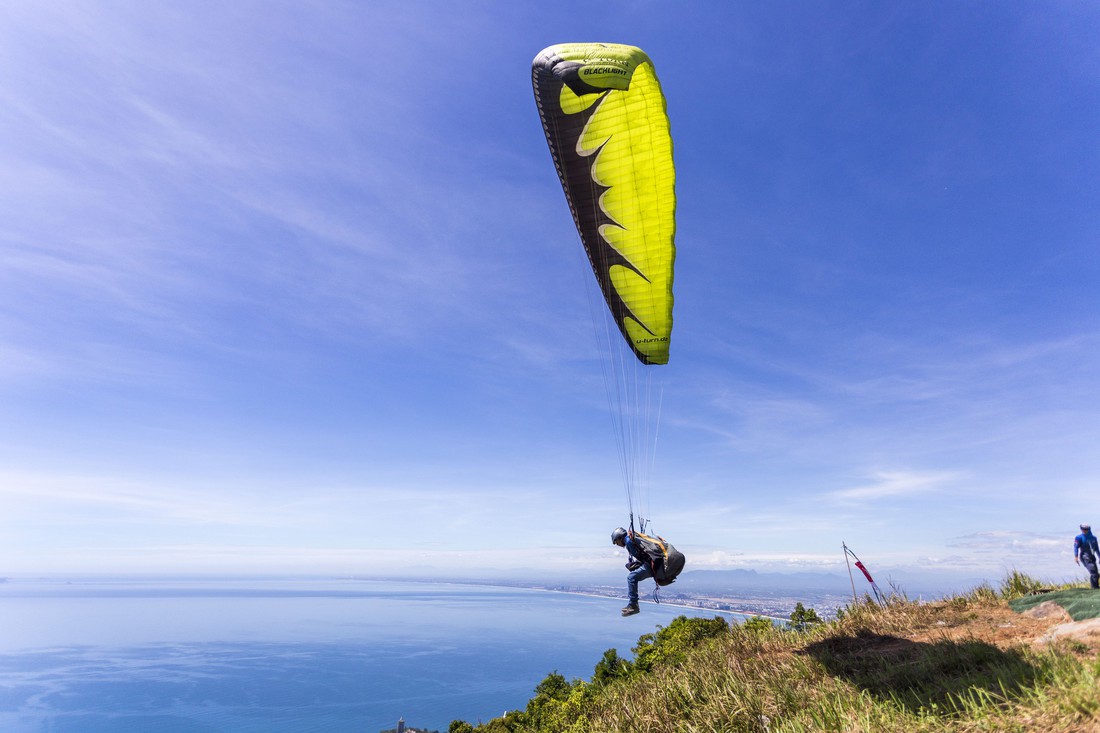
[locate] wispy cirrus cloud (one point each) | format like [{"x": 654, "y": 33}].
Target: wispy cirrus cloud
[
  {"x": 1007, "y": 540},
  {"x": 894, "y": 484}
]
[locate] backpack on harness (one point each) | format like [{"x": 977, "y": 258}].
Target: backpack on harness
[{"x": 665, "y": 561}]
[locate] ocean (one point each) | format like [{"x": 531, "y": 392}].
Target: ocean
[{"x": 290, "y": 656}]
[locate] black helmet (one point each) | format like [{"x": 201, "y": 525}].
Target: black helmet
[{"x": 618, "y": 535}]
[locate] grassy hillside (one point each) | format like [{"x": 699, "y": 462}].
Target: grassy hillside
[{"x": 969, "y": 663}]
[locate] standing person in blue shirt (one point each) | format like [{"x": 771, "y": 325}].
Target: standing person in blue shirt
[
  {"x": 638, "y": 565},
  {"x": 1085, "y": 551}
]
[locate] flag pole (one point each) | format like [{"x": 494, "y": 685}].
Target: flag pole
[{"x": 850, "y": 578}]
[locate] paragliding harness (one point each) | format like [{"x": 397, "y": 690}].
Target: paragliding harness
[{"x": 664, "y": 560}]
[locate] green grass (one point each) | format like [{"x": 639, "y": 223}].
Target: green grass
[
  {"x": 904, "y": 667},
  {"x": 1080, "y": 603}
]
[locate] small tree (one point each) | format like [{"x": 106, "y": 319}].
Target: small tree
[
  {"x": 802, "y": 618},
  {"x": 556, "y": 704},
  {"x": 757, "y": 624},
  {"x": 612, "y": 667},
  {"x": 554, "y": 687}
]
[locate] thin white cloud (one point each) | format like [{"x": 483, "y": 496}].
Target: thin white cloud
[
  {"x": 895, "y": 484},
  {"x": 776, "y": 561},
  {"x": 29, "y": 496},
  {"x": 293, "y": 508},
  {"x": 1003, "y": 541},
  {"x": 366, "y": 559},
  {"x": 364, "y": 224},
  {"x": 920, "y": 398}
]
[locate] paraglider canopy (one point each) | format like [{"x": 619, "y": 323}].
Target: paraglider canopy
[{"x": 605, "y": 120}]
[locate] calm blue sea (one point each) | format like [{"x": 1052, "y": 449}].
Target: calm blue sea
[{"x": 289, "y": 656}]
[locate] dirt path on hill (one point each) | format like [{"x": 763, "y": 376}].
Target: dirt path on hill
[{"x": 1005, "y": 628}]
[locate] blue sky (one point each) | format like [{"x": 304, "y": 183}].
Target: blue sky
[{"x": 292, "y": 287}]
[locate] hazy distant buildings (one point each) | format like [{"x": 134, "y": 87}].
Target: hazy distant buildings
[{"x": 402, "y": 728}]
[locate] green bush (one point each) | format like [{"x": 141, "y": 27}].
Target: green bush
[
  {"x": 802, "y": 618},
  {"x": 757, "y": 624},
  {"x": 671, "y": 644}
]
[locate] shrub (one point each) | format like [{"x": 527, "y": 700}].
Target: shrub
[
  {"x": 670, "y": 644},
  {"x": 757, "y": 624},
  {"x": 802, "y": 617}
]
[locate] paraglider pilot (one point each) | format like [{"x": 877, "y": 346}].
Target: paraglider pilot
[
  {"x": 1085, "y": 551},
  {"x": 638, "y": 565}
]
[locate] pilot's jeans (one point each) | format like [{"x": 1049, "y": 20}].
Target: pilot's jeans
[{"x": 644, "y": 572}]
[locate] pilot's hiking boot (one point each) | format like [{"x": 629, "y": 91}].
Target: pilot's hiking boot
[{"x": 631, "y": 609}]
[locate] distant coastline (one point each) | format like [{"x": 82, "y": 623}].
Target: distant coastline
[
  {"x": 678, "y": 603},
  {"x": 764, "y": 603}
]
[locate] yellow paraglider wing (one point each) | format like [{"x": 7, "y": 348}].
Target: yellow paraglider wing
[{"x": 605, "y": 121}]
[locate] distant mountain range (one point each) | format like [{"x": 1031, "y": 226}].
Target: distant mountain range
[{"x": 911, "y": 583}]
